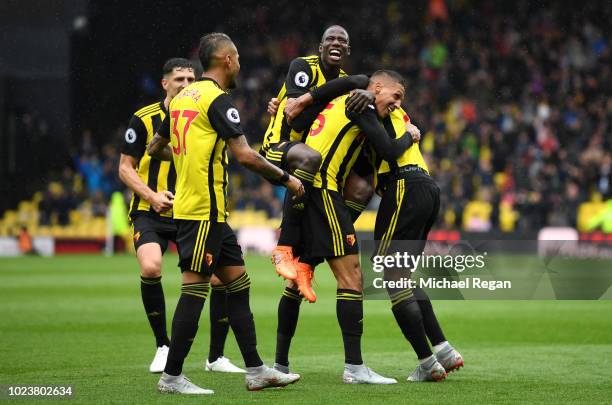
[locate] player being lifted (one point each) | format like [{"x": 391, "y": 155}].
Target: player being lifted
[
  {"x": 408, "y": 209},
  {"x": 204, "y": 123},
  {"x": 152, "y": 183},
  {"x": 339, "y": 135},
  {"x": 305, "y": 74},
  {"x": 284, "y": 146}
]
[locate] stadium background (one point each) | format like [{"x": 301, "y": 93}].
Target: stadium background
[{"x": 513, "y": 99}]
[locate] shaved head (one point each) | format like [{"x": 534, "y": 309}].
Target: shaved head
[
  {"x": 387, "y": 77},
  {"x": 212, "y": 45},
  {"x": 389, "y": 88},
  {"x": 333, "y": 28}
]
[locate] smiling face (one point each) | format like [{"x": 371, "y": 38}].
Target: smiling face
[
  {"x": 177, "y": 80},
  {"x": 389, "y": 94},
  {"x": 334, "y": 46}
]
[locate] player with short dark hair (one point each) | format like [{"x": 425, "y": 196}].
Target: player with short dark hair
[
  {"x": 339, "y": 135},
  {"x": 204, "y": 123},
  {"x": 152, "y": 183},
  {"x": 408, "y": 209}
]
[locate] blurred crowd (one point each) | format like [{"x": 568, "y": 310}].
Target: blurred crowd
[
  {"x": 87, "y": 182},
  {"x": 514, "y": 100}
]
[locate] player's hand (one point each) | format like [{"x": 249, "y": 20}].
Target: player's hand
[
  {"x": 295, "y": 186},
  {"x": 414, "y": 132},
  {"x": 273, "y": 106},
  {"x": 359, "y": 100},
  {"x": 162, "y": 201},
  {"x": 295, "y": 106}
]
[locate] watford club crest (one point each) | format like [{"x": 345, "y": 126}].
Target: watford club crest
[
  {"x": 350, "y": 239},
  {"x": 137, "y": 236},
  {"x": 209, "y": 259}
]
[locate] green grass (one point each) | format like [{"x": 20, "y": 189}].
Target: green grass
[{"x": 79, "y": 320}]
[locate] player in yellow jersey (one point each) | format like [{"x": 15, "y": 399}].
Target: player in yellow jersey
[
  {"x": 407, "y": 211},
  {"x": 152, "y": 183},
  {"x": 284, "y": 147},
  {"x": 339, "y": 135},
  {"x": 203, "y": 124}
]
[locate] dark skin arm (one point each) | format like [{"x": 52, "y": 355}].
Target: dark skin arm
[
  {"x": 159, "y": 148},
  {"x": 385, "y": 147},
  {"x": 302, "y": 111}
]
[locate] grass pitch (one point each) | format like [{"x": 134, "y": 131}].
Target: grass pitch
[{"x": 79, "y": 320}]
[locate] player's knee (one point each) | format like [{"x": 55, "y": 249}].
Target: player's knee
[
  {"x": 150, "y": 268},
  {"x": 193, "y": 277},
  {"x": 215, "y": 282},
  {"x": 350, "y": 278},
  {"x": 239, "y": 285},
  {"x": 309, "y": 161},
  {"x": 359, "y": 192}
]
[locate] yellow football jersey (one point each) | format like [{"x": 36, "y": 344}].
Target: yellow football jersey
[
  {"x": 202, "y": 118},
  {"x": 305, "y": 74},
  {"x": 339, "y": 142},
  {"x": 158, "y": 175},
  {"x": 412, "y": 156}
]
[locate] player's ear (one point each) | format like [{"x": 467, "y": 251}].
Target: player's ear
[
  {"x": 377, "y": 87},
  {"x": 320, "y": 47},
  {"x": 164, "y": 83},
  {"x": 348, "y": 50}
]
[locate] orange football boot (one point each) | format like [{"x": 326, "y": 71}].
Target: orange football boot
[
  {"x": 283, "y": 260},
  {"x": 304, "y": 281}
]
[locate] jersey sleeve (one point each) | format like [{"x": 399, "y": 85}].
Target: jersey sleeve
[
  {"x": 164, "y": 128},
  {"x": 224, "y": 117},
  {"x": 337, "y": 87},
  {"x": 299, "y": 78},
  {"x": 135, "y": 139},
  {"x": 385, "y": 147}
]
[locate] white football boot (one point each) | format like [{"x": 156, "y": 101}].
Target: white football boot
[
  {"x": 223, "y": 365},
  {"x": 170, "y": 384},
  {"x": 450, "y": 358},
  {"x": 360, "y": 374},
  {"x": 259, "y": 378},
  {"x": 428, "y": 371},
  {"x": 159, "y": 361}
]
